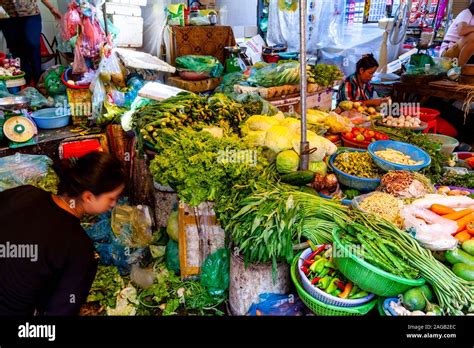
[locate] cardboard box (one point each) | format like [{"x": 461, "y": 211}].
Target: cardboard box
[
  {"x": 131, "y": 30},
  {"x": 194, "y": 86},
  {"x": 320, "y": 100}
]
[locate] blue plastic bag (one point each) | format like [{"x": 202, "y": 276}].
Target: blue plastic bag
[{"x": 278, "y": 305}]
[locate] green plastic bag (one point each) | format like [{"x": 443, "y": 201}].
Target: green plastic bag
[
  {"x": 279, "y": 75},
  {"x": 215, "y": 272},
  {"x": 172, "y": 256},
  {"x": 211, "y": 66}
]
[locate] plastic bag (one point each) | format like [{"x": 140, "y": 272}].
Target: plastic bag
[
  {"x": 4, "y": 90},
  {"x": 132, "y": 225},
  {"x": 215, "y": 272},
  {"x": 92, "y": 37},
  {"x": 175, "y": 13},
  {"x": 211, "y": 66},
  {"x": 254, "y": 104},
  {"x": 278, "y": 305},
  {"x": 70, "y": 22},
  {"x": 112, "y": 71},
  {"x": 172, "y": 256},
  {"x": 37, "y": 100},
  {"x": 288, "y": 5},
  {"x": 98, "y": 99},
  {"x": 199, "y": 20},
  {"x": 228, "y": 82},
  {"x": 79, "y": 65},
  {"x": 280, "y": 75},
  {"x": 53, "y": 83},
  {"x": 20, "y": 169},
  {"x": 432, "y": 231}
]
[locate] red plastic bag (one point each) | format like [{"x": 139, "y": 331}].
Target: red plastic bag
[
  {"x": 93, "y": 37},
  {"x": 70, "y": 23},
  {"x": 79, "y": 65}
]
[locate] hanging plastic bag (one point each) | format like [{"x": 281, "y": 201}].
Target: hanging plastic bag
[
  {"x": 98, "y": 99},
  {"x": 79, "y": 65},
  {"x": 91, "y": 39},
  {"x": 20, "y": 169},
  {"x": 111, "y": 71},
  {"x": 211, "y": 66},
  {"x": 70, "y": 22},
  {"x": 288, "y": 5},
  {"x": 278, "y": 305},
  {"x": 215, "y": 272},
  {"x": 175, "y": 14}
]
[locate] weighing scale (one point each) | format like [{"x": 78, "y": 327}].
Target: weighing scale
[
  {"x": 17, "y": 128},
  {"x": 237, "y": 60}
]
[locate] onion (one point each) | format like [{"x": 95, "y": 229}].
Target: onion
[{"x": 330, "y": 182}]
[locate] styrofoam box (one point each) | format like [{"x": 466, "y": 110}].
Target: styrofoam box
[
  {"x": 122, "y": 9},
  {"x": 131, "y": 30},
  {"x": 130, "y": 2}
]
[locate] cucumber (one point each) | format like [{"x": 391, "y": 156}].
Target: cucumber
[
  {"x": 459, "y": 256},
  {"x": 300, "y": 178},
  {"x": 468, "y": 247},
  {"x": 464, "y": 271}
]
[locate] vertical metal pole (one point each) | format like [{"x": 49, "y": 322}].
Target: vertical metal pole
[
  {"x": 304, "y": 146},
  {"x": 106, "y": 27}
]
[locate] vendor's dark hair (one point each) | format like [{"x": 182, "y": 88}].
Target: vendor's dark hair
[
  {"x": 97, "y": 172},
  {"x": 367, "y": 61},
  {"x": 471, "y": 7}
]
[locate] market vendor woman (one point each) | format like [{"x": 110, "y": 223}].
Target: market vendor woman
[
  {"x": 357, "y": 87},
  {"x": 48, "y": 263}
]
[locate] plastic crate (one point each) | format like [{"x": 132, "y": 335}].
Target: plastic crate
[{"x": 367, "y": 276}]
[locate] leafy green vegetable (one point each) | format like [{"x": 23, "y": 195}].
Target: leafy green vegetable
[
  {"x": 324, "y": 75},
  {"x": 107, "y": 284},
  {"x": 450, "y": 178}
]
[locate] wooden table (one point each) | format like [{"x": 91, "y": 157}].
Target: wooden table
[{"x": 444, "y": 89}]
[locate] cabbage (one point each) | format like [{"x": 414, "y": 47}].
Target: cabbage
[
  {"x": 320, "y": 168},
  {"x": 323, "y": 147},
  {"x": 280, "y": 116},
  {"x": 278, "y": 139},
  {"x": 292, "y": 123},
  {"x": 287, "y": 162},
  {"x": 261, "y": 123},
  {"x": 172, "y": 226},
  {"x": 314, "y": 116},
  {"x": 255, "y": 138}
]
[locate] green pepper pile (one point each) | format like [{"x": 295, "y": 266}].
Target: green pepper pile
[{"x": 322, "y": 273}]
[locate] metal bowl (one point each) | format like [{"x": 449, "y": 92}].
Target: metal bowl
[{"x": 14, "y": 103}]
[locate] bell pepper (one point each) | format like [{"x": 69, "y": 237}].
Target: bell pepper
[
  {"x": 332, "y": 285},
  {"x": 360, "y": 294},
  {"x": 324, "y": 272},
  {"x": 347, "y": 290},
  {"x": 324, "y": 283},
  {"x": 318, "y": 266}
]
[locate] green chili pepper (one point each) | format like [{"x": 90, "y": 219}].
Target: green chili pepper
[
  {"x": 324, "y": 283},
  {"x": 332, "y": 286},
  {"x": 318, "y": 266},
  {"x": 359, "y": 295}
]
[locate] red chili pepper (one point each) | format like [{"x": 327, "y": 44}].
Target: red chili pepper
[
  {"x": 308, "y": 262},
  {"x": 304, "y": 269},
  {"x": 317, "y": 251},
  {"x": 315, "y": 280},
  {"x": 340, "y": 285}
]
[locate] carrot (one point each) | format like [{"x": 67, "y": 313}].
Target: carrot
[
  {"x": 441, "y": 209},
  {"x": 462, "y": 222},
  {"x": 462, "y": 236},
  {"x": 457, "y": 215}
]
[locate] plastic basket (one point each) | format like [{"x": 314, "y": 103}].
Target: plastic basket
[
  {"x": 367, "y": 276},
  {"x": 321, "y": 308},
  {"x": 323, "y": 296}
]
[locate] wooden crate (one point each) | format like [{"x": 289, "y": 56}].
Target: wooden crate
[
  {"x": 199, "y": 236},
  {"x": 194, "y": 86}
]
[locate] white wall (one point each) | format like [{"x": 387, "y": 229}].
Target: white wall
[{"x": 49, "y": 23}]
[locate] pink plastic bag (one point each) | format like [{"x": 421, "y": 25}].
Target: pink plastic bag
[
  {"x": 70, "y": 23},
  {"x": 93, "y": 37},
  {"x": 79, "y": 65}
]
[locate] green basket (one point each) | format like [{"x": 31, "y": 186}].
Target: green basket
[
  {"x": 380, "y": 306},
  {"x": 367, "y": 276},
  {"x": 323, "y": 309}
]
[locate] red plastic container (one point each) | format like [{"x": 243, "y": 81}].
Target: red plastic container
[
  {"x": 355, "y": 144},
  {"x": 2, "y": 56},
  {"x": 426, "y": 114},
  {"x": 80, "y": 148}
]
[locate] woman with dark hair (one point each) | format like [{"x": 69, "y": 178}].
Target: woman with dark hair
[
  {"x": 357, "y": 87},
  {"x": 459, "y": 39},
  {"x": 54, "y": 272}
]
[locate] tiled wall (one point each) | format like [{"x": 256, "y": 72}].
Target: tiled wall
[{"x": 459, "y": 5}]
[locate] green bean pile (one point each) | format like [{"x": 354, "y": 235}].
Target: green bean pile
[{"x": 358, "y": 164}]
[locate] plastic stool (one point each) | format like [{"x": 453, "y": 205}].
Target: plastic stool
[{"x": 432, "y": 127}]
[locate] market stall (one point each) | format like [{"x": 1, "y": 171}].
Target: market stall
[{"x": 257, "y": 197}]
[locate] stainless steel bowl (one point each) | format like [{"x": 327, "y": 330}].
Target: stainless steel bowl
[{"x": 14, "y": 103}]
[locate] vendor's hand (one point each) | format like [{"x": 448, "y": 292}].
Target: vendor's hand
[{"x": 56, "y": 14}]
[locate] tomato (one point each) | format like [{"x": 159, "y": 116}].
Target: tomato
[
  {"x": 348, "y": 135},
  {"x": 369, "y": 133},
  {"x": 356, "y": 133},
  {"x": 470, "y": 162}
]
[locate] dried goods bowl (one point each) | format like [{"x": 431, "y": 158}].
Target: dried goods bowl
[
  {"x": 361, "y": 184},
  {"x": 414, "y": 152}
]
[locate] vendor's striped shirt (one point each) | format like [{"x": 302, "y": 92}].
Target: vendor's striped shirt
[
  {"x": 351, "y": 90},
  {"x": 20, "y": 8}
]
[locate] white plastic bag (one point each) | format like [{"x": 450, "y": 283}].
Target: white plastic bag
[{"x": 432, "y": 231}]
